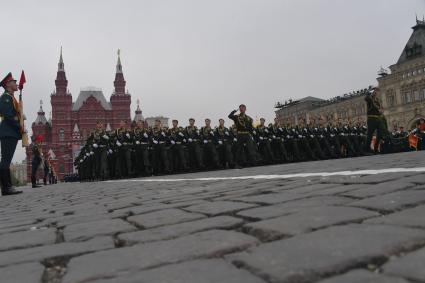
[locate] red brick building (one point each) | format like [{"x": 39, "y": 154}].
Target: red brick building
[{"x": 71, "y": 122}]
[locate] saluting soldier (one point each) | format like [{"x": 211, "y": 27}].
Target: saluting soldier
[
  {"x": 244, "y": 128},
  {"x": 10, "y": 132}
]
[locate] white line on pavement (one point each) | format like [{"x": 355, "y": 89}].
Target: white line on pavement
[{"x": 284, "y": 176}]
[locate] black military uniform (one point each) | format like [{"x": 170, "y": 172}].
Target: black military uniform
[
  {"x": 160, "y": 159},
  {"x": 209, "y": 147},
  {"x": 10, "y": 132},
  {"x": 224, "y": 146},
  {"x": 278, "y": 143},
  {"x": 177, "y": 148},
  {"x": 263, "y": 137},
  {"x": 375, "y": 120},
  {"x": 141, "y": 145},
  {"x": 36, "y": 161},
  {"x": 193, "y": 143}
]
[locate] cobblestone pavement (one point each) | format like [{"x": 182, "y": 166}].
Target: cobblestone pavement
[{"x": 353, "y": 228}]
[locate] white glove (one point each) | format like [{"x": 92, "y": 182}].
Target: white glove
[
  {"x": 267, "y": 131},
  {"x": 205, "y": 141},
  {"x": 173, "y": 142},
  {"x": 127, "y": 135},
  {"x": 145, "y": 135},
  {"x": 254, "y": 132},
  {"x": 212, "y": 133},
  {"x": 184, "y": 140},
  {"x": 235, "y": 139},
  {"x": 287, "y": 136},
  {"x": 155, "y": 141},
  {"x": 220, "y": 142},
  {"x": 280, "y": 129},
  {"x": 198, "y": 132},
  {"x": 163, "y": 134},
  {"x": 300, "y": 136},
  {"x": 105, "y": 137},
  {"x": 91, "y": 152},
  {"x": 321, "y": 136},
  {"x": 181, "y": 134},
  {"x": 87, "y": 154},
  {"x": 190, "y": 140},
  {"x": 119, "y": 144},
  {"x": 311, "y": 136},
  {"x": 81, "y": 161},
  {"x": 95, "y": 145},
  {"x": 137, "y": 142},
  {"x": 261, "y": 138},
  {"x": 227, "y": 133},
  {"x": 274, "y": 136},
  {"x": 111, "y": 151}
]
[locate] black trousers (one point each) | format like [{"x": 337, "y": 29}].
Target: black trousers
[
  {"x": 375, "y": 124},
  {"x": 8, "y": 147}
]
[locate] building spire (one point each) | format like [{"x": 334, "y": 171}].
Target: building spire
[
  {"x": 40, "y": 111},
  {"x": 119, "y": 66},
  {"x": 61, "y": 66},
  {"x": 119, "y": 82}
]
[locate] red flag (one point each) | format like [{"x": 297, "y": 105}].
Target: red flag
[{"x": 22, "y": 80}]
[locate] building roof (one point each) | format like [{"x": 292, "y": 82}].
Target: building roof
[
  {"x": 41, "y": 118},
  {"x": 415, "y": 46},
  {"x": 88, "y": 92},
  {"x": 310, "y": 98}
]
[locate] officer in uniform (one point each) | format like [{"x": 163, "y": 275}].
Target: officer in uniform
[
  {"x": 244, "y": 129},
  {"x": 10, "y": 132},
  {"x": 375, "y": 119}
]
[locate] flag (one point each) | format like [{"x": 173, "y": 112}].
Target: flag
[{"x": 22, "y": 80}]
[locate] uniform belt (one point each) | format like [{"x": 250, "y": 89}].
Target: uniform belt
[
  {"x": 374, "y": 116},
  {"x": 243, "y": 132}
]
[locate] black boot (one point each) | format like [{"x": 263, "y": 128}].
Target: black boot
[
  {"x": 34, "y": 182},
  {"x": 6, "y": 182}
]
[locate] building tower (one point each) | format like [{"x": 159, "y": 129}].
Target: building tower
[
  {"x": 120, "y": 99},
  {"x": 61, "y": 101}
]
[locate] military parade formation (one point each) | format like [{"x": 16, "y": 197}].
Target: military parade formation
[{"x": 146, "y": 151}]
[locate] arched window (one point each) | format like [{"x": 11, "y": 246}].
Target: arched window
[{"x": 61, "y": 135}]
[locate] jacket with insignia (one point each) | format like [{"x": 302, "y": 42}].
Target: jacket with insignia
[{"x": 9, "y": 121}]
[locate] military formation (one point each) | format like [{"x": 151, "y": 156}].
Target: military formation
[{"x": 157, "y": 150}]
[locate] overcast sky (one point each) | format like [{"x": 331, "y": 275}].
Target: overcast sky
[{"x": 196, "y": 58}]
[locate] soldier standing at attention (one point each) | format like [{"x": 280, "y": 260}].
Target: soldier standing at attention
[
  {"x": 36, "y": 160},
  {"x": 375, "y": 119},
  {"x": 10, "y": 132},
  {"x": 244, "y": 128}
]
